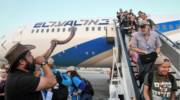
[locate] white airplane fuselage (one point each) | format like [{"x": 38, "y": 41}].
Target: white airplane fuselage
[{"x": 88, "y": 48}]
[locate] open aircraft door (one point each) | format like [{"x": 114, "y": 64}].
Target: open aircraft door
[{"x": 110, "y": 33}]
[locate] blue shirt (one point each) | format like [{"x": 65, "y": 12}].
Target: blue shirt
[
  {"x": 66, "y": 80},
  {"x": 75, "y": 87}
]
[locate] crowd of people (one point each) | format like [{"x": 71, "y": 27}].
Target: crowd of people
[
  {"x": 144, "y": 49},
  {"x": 130, "y": 22}
]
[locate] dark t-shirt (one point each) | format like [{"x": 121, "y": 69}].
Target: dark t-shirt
[
  {"x": 21, "y": 85},
  {"x": 161, "y": 87}
]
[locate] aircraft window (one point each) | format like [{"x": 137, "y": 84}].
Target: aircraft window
[
  {"x": 32, "y": 31},
  {"x": 93, "y": 28},
  {"x": 21, "y": 32},
  {"x": 171, "y": 26},
  {"x": 157, "y": 27},
  {"x": 47, "y": 30},
  {"x": 42, "y": 30},
  {"x": 58, "y": 29},
  {"x": 52, "y": 30},
  {"x": 69, "y": 29},
  {"x": 37, "y": 30},
  {"x": 164, "y": 27},
  {"x": 99, "y": 28},
  {"x": 64, "y": 29},
  {"x": 87, "y": 28}
]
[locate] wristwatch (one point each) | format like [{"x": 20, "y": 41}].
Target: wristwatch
[{"x": 44, "y": 63}]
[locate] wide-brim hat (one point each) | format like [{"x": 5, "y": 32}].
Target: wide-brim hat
[{"x": 16, "y": 51}]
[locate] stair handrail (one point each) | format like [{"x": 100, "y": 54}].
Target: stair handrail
[
  {"x": 124, "y": 49},
  {"x": 173, "y": 44}
]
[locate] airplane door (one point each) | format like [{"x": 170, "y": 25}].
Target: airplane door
[{"x": 110, "y": 33}]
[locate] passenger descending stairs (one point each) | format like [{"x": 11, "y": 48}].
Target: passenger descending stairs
[{"x": 172, "y": 51}]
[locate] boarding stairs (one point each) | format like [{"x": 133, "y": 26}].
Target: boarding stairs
[{"x": 123, "y": 85}]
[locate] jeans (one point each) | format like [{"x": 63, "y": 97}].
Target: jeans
[{"x": 143, "y": 70}]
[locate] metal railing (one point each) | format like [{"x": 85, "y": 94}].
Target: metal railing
[
  {"x": 169, "y": 49},
  {"x": 170, "y": 41},
  {"x": 132, "y": 90}
]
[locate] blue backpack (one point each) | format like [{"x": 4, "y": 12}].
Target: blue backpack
[{"x": 88, "y": 89}]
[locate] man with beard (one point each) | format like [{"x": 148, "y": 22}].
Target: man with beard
[
  {"x": 21, "y": 83},
  {"x": 160, "y": 84}
]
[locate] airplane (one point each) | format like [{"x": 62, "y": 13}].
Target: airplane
[{"x": 90, "y": 47}]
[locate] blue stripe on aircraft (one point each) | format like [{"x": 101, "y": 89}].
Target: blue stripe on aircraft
[
  {"x": 82, "y": 52},
  {"x": 168, "y": 26}
]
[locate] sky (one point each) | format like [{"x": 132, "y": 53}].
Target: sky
[{"x": 16, "y": 13}]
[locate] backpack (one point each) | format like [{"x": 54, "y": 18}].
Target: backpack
[
  {"x": 88, "y": 89},
  {"x": 150, "y": 78},
  {"x": 61, "y": 92}
]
